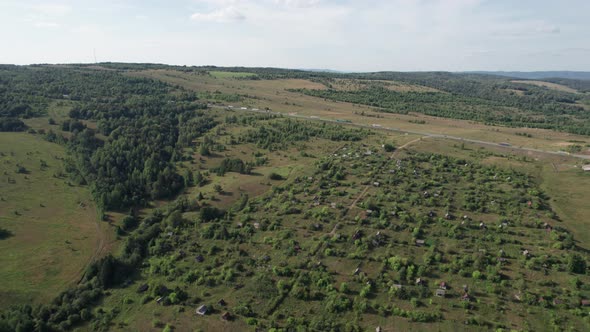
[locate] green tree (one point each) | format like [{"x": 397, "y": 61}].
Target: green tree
[{"x": 576, "y": 264}]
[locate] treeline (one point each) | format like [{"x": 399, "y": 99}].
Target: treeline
[
  {"x": 12, "y": 124},
  {"x": 73, "y": 307},
  {"x": 580, "y": 85},
  {"x": 492, "y": 105}
]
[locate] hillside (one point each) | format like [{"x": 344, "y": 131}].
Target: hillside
[
  {"x": 535, "y": 75},
  {"x": 283, "y": 200}
]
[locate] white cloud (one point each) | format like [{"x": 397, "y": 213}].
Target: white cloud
[
  {"x": 46, "y": 25},
  {"x": 52, "y": 9},
  {"x": 228, "y": 14},
  {"x": 548, "y": 29},
  {"x": 298, "y": 3}
]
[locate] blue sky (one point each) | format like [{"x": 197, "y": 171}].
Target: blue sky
[{"x": 351, "y": 35}]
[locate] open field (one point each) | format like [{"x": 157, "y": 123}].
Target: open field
[
  {"x": 549, "y": 85},
  {"x": 273, "y": 94},
  {"x": 229, "y": 74},
  {"x": 54, "y": 226}
]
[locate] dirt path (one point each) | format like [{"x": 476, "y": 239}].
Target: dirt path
[
  {"x": 393, "y": 155},
  {"x": 333, "y": 230},
  {"x": 398, "y": 130},
  {"x": 361, "y": 195}
]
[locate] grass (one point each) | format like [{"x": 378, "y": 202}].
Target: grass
[
  {"x": 273, "y": 94},
  {"x": 549, "y": 85},
  {"x": 494, "y": 309},
  {"x": 52, "y": 237},
  {"x": 54, "y": 226},
  {"x": 230, "y": 74}
]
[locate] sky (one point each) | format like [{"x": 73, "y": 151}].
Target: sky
[{"x": 347, "y": 35}]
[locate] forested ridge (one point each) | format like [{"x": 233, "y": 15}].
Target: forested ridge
[{"x": 144, "y": 122}]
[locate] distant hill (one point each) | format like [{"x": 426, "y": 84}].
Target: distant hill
[{"x": 535, "y": 75}]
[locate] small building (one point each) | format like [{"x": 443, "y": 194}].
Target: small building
[
  {"x": 222, "y": 303},
  {"x": 356, "y": 271},
  {"x": 378, "y": 329},
  {"x": 398, "y": 286},
  {"x": 202, "y": 310},
  {"x": 586, "y": 168},
  {"x": 441, "y": 293},
  {"x": 442, "y": 285},
  {"x": 419, "y": 281},
  {"x": 159, "y": 300},
  {"x": 226, "y": 316},
  {"x": 585, "y": 303},
  {"x": 420, "y": 242},
  {"x": 526, "y": 253}
]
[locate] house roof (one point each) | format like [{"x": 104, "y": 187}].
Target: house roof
[{"x": 201, "y": 310}]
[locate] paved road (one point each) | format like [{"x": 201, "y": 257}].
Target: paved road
[{"x": 456, "y": 138}]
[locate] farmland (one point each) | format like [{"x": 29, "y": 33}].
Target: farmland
[{"x": 177, "y": 212}]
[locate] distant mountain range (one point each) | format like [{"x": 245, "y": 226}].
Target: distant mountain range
[{"x": 535, "y": 75}]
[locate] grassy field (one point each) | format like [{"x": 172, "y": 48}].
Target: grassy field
[
  {"x": 549, "y": 85},
  {"x": 230, "y": 74},
  {"x": 274, "y": 94},
  {"x": 53, "y": 225}
]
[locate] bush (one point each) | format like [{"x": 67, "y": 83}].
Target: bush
[
  {"x": 275, "y": 176},
  {"x": 576, "y": 264}
]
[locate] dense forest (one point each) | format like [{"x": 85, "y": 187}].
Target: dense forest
[{"x": 143, "y": 124}]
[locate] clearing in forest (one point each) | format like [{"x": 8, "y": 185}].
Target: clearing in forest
[{"x": 51, "y": 227}]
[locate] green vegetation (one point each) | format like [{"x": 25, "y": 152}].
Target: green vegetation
[
  {"x": 49, "y": 227},
  {"x": 230, "y": 74},
  {"x": 473, "y": 98},
  {"x": 228, "y": 220}
]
